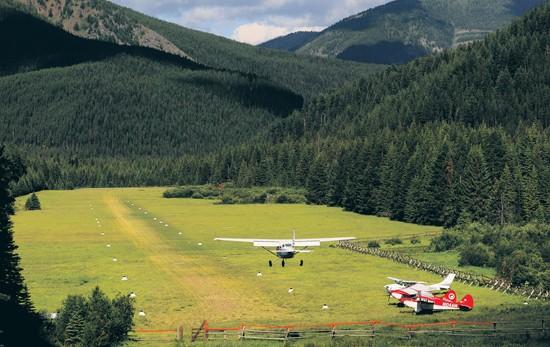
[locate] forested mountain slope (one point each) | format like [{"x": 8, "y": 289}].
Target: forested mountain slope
[
  {"x": 292, "y": 41},
  {"x": 75, "y": 96},
  {"x": 97, "y": 19},
  {"x": 103, "y": 20},
  {"x": 460, "y": 136},
  {"x": 403, "y": 30},
  {"x": 31, "y": 44}
]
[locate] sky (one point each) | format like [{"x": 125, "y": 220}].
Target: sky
[{"x": 251, "y": 21}]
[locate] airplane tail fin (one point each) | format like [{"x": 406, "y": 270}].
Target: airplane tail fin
[
  {"x": 450, "y": 296},
  {"x": 446, "y": 283},
  {"x": 293, "y": 237},
  {"x": 467, "y": 303}
]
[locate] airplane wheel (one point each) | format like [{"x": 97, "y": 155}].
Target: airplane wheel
[
  {"x": 301, "y": 263},
  {"x": 270, "y": 263},
  {"x": 283, "y": 263}
]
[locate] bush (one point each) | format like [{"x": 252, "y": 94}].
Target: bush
[
  {"x": 394, "y": 241},
  {"x": 447, "y": 241},
  {"x": 373, "y": 244},
  {"x": 415, "y": 241},
  {"x": 94, "y": 320},
  {"x": 260, "y": 199},
  {"x": 475, "y": 255},
  {"x": 33, "y": 203},
  {"x": 178, "y": 193},
  {"x": 197, "y": 195},
  {"x": 283, "y": 199},
  {"x": 227, "y": 200}
]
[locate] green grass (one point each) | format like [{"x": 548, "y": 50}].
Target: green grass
[
  {"x": 447, "y": 259},
  {"x": 179, "y": 282}
]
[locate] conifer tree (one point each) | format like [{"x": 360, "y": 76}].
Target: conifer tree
[
  {"x": 530, "y": 199},
  {"x": 503, "y": 197},
  {"x": 74, "y": 330},
  {"x": 33, "y": 203},
  {"x": 21, "y": 326},
  {"x": 476, "y": 186},
  {"x": 317, "y": 183}
]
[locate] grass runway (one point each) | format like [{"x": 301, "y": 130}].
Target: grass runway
[{"x": 177, "y": 281}]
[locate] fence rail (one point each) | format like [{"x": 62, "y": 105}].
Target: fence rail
[
  {"x": 496, "y": 284},
  {"x": 370, "y": 329}
]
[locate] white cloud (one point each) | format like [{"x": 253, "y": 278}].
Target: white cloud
[
  {"x": 252, "y": 21},
  {"x": 257, "y": 32}
]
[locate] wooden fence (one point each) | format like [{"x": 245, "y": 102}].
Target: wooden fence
[
  {"x": 370, "y": 329},
  {"x": 496, "y": 284}
]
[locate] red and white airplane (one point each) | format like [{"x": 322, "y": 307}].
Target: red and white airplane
[
  {"x": 427, "y": 302},
  {"x": 409, "y": 289}
]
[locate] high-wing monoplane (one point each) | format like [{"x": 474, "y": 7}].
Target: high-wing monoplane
[
  {"x": 406, "y": 288},
  {"x": 286, "y": 248},
  {"x": 427, "y": 302}
]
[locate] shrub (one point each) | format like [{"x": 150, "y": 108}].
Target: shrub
[
  {"x": 476, "y": 255},
  {"x": 373, "y": 244},
  {"x": 33, "y": 203},
  {"x": 415, "y": 241},
  {"x": 197, "y": 195},
  {"x": 227, "y": 200},
  {"x": 260, "y": 199},
  {"x": 394, "y": 241},
  {"x": 447, "y": 241},
  {"x": 209, "y": 191},
  {"x": 283, "y": 199},
  {"x": 178, "y": 193}
]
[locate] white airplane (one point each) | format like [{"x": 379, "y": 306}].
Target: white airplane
[
  {"x": 285, "y": 248},
  {"x": 409, "y": 289}
]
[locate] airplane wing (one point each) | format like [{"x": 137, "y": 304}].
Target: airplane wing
[
  {"x": 405, "y": 282},
  {"x": 329, "y": 239},
  {"x": 255, "y": 242},
  {"x": 277, "y": 242}
]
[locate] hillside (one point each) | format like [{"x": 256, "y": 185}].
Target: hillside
[
  {"x": 71, "y": 95},
  {"x": 460, "y": 136},
  {"x": 455, "y": 137},
  {"x": 291, "y": 42},
  {"x": 403, "y": 30},
  {"x": 97, "y": 19},
  {"x": 105, "y": 21}
]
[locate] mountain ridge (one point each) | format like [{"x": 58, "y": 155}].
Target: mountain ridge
[{"x": 407, "y": 29}]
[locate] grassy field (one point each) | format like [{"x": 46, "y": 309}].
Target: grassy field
[{"x": 64, "y": 250}]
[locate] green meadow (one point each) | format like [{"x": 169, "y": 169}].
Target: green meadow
[{"x": 180, "y": 275}]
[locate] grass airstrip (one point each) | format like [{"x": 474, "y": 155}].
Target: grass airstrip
[{"x": 165, "y": 249}]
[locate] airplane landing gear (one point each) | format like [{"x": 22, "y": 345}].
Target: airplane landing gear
[
  {"x": 301, "y": 263},
  {"x": 270, "y": 263},
  {"x": 283, "y": 263}
]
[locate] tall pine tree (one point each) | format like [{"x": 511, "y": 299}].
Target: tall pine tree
[{"x": 20, "y": 325}]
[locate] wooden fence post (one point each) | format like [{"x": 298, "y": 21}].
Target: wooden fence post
[
  {"x": 179, "y": 333},
  {"x": 495, "y": 329}
]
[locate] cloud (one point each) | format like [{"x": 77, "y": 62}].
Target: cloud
[
  {"x": 255, "y": 33},
  {"x": 252, "y": 21}
]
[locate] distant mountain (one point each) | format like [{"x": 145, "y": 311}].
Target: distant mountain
[
  {"x": 291, "y": 42},
  {"x": 403, "y": 30},
  {"x": 105, "y": 21},
  {"x": 98, "y": 19}
]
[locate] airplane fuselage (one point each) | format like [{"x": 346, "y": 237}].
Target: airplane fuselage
[{"x": 285, "y": 251}]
